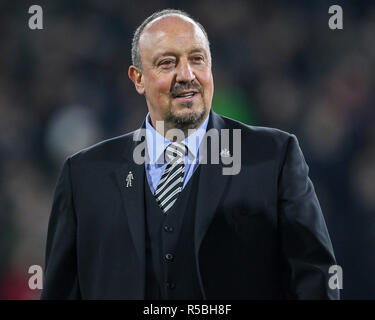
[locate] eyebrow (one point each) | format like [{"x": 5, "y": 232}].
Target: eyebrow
[
  {"x": 164, "y": 54},
  {"x": 197, "y": 50},
  {"x": 171, "y": 53}
]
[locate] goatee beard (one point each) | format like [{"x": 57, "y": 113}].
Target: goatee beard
[{"x": 191, "y": 121}]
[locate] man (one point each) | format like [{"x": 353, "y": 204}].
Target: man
[{"x": 182, "y": 229}]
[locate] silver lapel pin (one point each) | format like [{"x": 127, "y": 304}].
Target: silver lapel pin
[{"x": 129, "y": 179}]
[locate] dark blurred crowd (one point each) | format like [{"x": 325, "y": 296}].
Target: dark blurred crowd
[{"x": 275, "y": 63}]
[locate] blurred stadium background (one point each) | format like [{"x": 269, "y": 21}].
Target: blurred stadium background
[{"x": 275, "y": 63}]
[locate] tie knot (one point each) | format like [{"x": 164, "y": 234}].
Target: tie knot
[{"x": 175, "y": 152}]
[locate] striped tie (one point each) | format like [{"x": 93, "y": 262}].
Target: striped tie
[{"x": 171, "y": 182}]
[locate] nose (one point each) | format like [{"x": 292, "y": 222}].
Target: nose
[{"x": 184, "y": 72}]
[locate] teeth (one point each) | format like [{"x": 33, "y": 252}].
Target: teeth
[{"x": 190, "y": 94}]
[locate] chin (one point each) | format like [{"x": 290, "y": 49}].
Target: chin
[{"x": 187, "y": 118}]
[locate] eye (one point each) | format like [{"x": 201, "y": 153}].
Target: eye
[
  {"x": 166, "y": 63},
  {"x": 198, "y": 59}
]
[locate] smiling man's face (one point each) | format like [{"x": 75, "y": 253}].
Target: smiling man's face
[{"x": 176, "y": 76}]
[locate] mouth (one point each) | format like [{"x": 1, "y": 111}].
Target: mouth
[{"x": 186, "y": 95}]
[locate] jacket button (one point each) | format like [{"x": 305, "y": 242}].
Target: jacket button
[
  {"x": 169, "y": 256},
  {"x": 168, "y": 229}
]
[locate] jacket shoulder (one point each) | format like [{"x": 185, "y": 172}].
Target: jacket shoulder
[
  {"x": 106, "y": 150},
  {"x": 251, "y": 133}
]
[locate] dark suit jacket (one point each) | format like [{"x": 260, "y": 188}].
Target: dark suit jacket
[{"x": 258, "y": 235}]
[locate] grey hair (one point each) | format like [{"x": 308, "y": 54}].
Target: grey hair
[{"x": 136, "y": 56}]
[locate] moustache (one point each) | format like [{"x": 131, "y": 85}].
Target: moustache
[{"x": 178, "y": 89}]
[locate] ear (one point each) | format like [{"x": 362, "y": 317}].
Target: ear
[{"x": 136, "y": 76}]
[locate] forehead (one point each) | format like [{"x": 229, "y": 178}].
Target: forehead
[{"x": 171, "y": 33}]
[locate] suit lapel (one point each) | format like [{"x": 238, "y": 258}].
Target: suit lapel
[
  {"x": 133, "y": 199},
  {"x": 212, "y": 184},
  {"x": 133, "y": 202}
]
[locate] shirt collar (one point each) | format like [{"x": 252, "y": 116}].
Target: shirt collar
[{"x": 156, "y": 143}]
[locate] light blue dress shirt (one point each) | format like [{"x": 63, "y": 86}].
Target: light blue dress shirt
[{"x": 156, "y": 144}]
